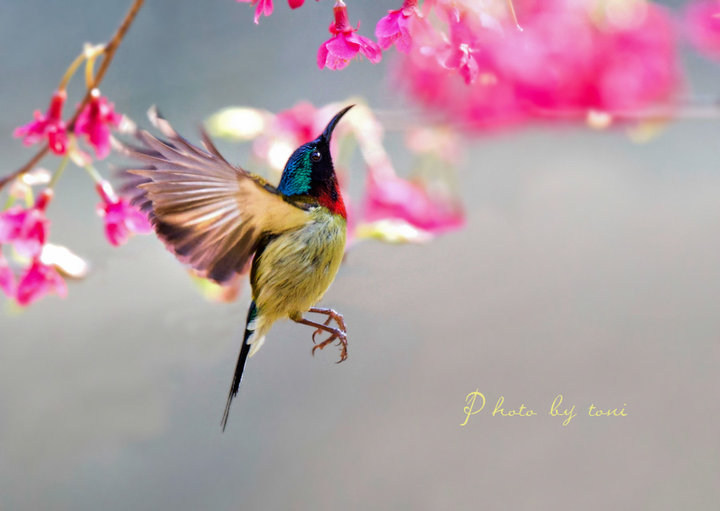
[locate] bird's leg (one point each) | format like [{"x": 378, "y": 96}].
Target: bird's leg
[{"x": 335, "y": 333}]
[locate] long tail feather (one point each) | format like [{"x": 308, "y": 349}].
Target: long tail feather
[{"x": 244, "y": 351}]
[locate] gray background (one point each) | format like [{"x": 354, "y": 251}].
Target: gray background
[{"x": 588, "y": 267}]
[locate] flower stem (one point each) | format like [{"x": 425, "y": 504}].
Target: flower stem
[
  {"x": 94, "y": 174},
  {"x": 90, "y": 72},
  {"x": 71, "y": 71},
  {"x": 9, "y": 202},
  {"x": 110, "y": 50},
  {"x": 103, "y": 187},
  {"x": 29, "y": 198},
  {"x": 59, "y": 171}
]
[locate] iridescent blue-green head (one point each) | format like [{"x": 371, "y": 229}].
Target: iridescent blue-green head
[{"x": 309, "y": 170}]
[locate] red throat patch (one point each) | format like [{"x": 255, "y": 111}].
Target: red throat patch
[{"x": 335, "y": 205}]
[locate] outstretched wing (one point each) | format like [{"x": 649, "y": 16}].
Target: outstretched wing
[{"x": 210, "y": 213}]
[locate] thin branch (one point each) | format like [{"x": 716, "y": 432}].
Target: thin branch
[
  {"x": 109, "y": 53},
  {"x": 695, "y": 109}
]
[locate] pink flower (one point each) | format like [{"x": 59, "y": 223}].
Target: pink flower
[
  {"x": 336, "y": 52},
  {"x": 291, "y": 128},
  {"x": 300, "y": 122},
  {"x": 395, "y": 27},
  {"x": 303, "y": 122},
  {"x": 459, "y": 53},
  {"x": 430, "y": 72},
  {"x": 638, "y": 63},
  {"x": 392, "y": 197},
  {"x": 39, "y": 279},
  {"x": 121, "y": 218},
  {"x": 552, "y": 64},
  {"x": 26, "y": 229},
  {"x": 568, "y": 60},
  {"x": 95, "y": 122},
  {"x": 49, "y": 125},
  {"x": 7, "y": 278},
  {"x": 490, "y": 103},
  {"x": 702, "y": 24},
  {"x": 264, "y": 7}
]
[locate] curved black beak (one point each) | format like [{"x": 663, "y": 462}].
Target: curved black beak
[{"x": 333, "y": 122}]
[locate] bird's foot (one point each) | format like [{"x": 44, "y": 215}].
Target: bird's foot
[
  {"x": 320, "y": 330},
  {"x": 336, "y": 334}
]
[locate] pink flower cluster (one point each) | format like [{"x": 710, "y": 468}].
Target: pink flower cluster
[
  {"x": 25, "y": 231},
  {"x": 570, "y": 58},
  {"x": 395, "y": 28},
  {"x": 469, "y": 60},
  {"x": 345, "y": 44},
  {"x": 28, "y": 264},
  {"x": 95, "y": 121}
]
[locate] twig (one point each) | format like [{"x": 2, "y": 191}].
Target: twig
[
  {"x": 109, "y": 53},
  {"x": 686, "y": 109}
]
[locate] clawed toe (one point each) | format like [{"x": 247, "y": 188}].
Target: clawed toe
[
  {"x": 343, "y": 351},
  {"x": 320, "y": 330},
  {"x": 338, "y": 335}
]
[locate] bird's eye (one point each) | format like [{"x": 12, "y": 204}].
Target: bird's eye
[{"x": 316, "y": 156}]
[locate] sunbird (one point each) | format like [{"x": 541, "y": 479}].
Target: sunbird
[{"x": 216, "y": 217}]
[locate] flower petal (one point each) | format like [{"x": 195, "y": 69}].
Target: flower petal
[
  {"x": 395, "y": 198},
  {"x": 25, "y": 229},
  {"x": 39, "y": 279},
  {"x": 387, "y": 29},
  {"x": 343, "y": 47},
  {"x": 368, "y": 47},
  {"x": 121, "y": 218},
  {"x": 48, "y": 125},
  {"x": 322, "y": 55},
  {"x": 95, "y": 122}
]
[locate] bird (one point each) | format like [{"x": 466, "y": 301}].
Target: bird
[{"x": 219, "y": 218}]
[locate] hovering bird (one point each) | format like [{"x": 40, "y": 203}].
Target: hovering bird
[{"x": 216, "y": 217}]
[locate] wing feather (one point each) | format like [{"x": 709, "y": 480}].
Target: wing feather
[{"x": 211, "y": 214}]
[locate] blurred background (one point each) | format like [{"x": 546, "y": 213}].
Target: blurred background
[{"x": 588, "y": 267}]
